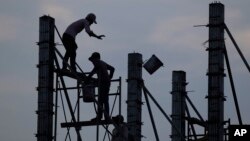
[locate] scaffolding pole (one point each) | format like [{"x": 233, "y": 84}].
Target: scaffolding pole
[
  {"x": 232, "y": 86},
  {"x": 237, "y": 47}
]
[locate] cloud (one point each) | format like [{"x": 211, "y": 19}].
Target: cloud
[
  {"x": 232, "y": 14},
  {"x": 177, "y": 31},
  {"x": 61, "y": 13},
  {"x": 242, "y": 38},
  {"x": 9, "y": 27}
]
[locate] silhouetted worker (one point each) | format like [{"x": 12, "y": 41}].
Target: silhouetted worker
[
  {"x": 120, "y": 132},
  {"x": 101, "y": 69},
  {"x": 70, "y": 35}
]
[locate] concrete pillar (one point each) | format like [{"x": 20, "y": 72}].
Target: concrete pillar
[
  {"x": 178, "y": 104},
  {"x": 45, "y": 79},
  {"x": 216, "y": 72},
  {"x": 134, "y": 101}
]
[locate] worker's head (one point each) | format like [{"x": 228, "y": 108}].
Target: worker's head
[
  {"x": 118, "y": 119},
  {"x": 94, "y": 56},
  {"x": 91, "y": 18}
]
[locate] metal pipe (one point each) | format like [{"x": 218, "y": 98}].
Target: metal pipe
[
  {"x": 192, "y": 105},
  {"x": 151, "y": 116},
  {"x": 56, "y": 105},
  {"x": 120, "y": 96},
  {"x": 192, "y": 126},
  {"x": 163, "y": 112},
  {"x": 78, "y": 105},
  {"x": 232, "y": 86},
  {"x": 237, "y": 47},
  {"x": 97, "y": 132},
  {"x": 68, "y": 100}
]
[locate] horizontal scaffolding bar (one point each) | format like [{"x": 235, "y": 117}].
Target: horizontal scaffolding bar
[
  {"x": 78, "y": 75},
  {"x": 84, "y": 123}
]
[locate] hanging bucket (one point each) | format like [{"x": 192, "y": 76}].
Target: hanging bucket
[
  {"x": 88, "y": 93},
  {"x": 152, "y": 64}
]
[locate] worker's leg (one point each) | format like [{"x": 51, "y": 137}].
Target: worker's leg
[
  {"x": 104, "y": 93},
  {"x": 66, "y": 58},
  {"x": 73, "y": 59},
  {"x": 66, "y": 43},
  {"x": 100, "y": 110},
  {"x": 106, "y": 107},
  {"x": 103, "y": 100},
  {"x": 70, "y": 46}
]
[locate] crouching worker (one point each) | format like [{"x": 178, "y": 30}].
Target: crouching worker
[
  {"x": 120, "y": 132},
  {"x": 104, "y": 77}
]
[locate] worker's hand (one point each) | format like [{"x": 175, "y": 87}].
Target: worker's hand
[
  {"x": 110, "y": 77},
  {"x": 100, "y": 37}
]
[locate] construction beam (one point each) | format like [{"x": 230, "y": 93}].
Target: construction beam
[
  {"x": 85, "y": 123},
  {"x": 237, "y": 47},
  {"x": 68, "y": 99},
  {"x": 232, "y": 87}
]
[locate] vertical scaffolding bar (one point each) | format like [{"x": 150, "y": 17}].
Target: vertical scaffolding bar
[
  {"x": 178, "y": 104},
  {"x": 134, "y": 95},
  {"x": 45, "y": 79},
  {"x": 216, "y": 72}
]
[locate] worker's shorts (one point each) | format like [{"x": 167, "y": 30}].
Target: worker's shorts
[{"x": 69, "y": 42}]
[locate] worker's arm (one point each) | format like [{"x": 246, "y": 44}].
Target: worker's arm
[
  {"x": 89, "y": 77},
  {"x": 111, "y": 71},
  {"x": 92, "y": 72},
  {"x": 91, "y": 33}
]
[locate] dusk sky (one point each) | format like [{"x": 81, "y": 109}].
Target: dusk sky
[{"x": 161, "y": 27}]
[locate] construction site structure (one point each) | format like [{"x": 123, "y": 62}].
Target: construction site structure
[
  {"x": 134, "y": 98},
  {"x": 178, "y": 104},
  {"x": 49, "y": 72},
  {"x": 46, "y": 82},
  {"x": 215, "y": 73}
]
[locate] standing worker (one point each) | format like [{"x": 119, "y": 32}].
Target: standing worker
[
  {"x": 69, "y": 36},
  {"x": 101, "y": 68}
]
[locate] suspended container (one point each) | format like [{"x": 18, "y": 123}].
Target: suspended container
[
  {"x": 152, "y": 64},
  {"x": 88, "y": 93}
]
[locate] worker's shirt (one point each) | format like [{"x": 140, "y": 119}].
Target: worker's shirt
[
  {"x": 101, "y": 68},
  {"x": 77, "y": 26}
]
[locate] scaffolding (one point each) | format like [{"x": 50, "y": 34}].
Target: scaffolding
[
  {"x": 50, "y": 72},
  {"x": 52, "y": 87}
]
